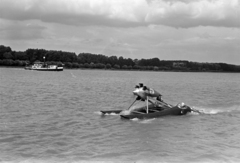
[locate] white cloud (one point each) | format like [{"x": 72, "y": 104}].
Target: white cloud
[
  {"x": 125, "y": 13},
  {"x": 195, "y": 13}
]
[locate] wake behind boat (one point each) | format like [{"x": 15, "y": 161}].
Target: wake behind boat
[{"x": 154, "y": 106}]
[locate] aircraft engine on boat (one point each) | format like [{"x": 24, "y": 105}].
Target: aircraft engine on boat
[{"x": 142, "y": 92}]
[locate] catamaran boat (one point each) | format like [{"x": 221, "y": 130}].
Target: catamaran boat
[{"x": 153, "y": 108}]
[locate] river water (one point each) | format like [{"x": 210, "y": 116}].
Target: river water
[{"x": 54, "y": 117}]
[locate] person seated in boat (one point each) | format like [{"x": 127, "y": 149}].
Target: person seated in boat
[
  {"x": 152, "y": 93},
  {"x": 159, "y": 98},
  {"x": 184, "y": 108}
]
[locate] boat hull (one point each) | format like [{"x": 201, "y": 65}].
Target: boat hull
[
  {"x": 110, "y": 112},
  {"x": 45, "y": 69},
  {"x": 171, "y": 111},
  {"x": 48, "y": 69}
]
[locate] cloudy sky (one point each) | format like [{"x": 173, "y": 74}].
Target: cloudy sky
[{"x": 194, "y": 30}]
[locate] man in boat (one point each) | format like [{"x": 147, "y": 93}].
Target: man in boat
[
  {"x": 159, "y": 98},
  {"x": 151, "y": 93},
  {"x": 184, "y": 108},
  {"x": 148, "y": 95}
]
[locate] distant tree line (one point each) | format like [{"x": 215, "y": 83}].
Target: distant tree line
[{"x": 8, "y": 57}]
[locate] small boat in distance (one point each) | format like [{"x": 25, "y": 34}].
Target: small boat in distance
[{"x": 42, "y": 66}]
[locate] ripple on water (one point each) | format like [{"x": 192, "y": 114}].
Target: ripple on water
[{"x": 51, "y": 117}]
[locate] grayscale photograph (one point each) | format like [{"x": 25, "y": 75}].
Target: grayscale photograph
[{"x": 119, "y": 81}]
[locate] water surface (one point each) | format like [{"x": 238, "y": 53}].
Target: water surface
[{"x": 54, "y": 117}]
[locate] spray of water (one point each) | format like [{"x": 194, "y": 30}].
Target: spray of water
[{"x": 211, "y": 110}]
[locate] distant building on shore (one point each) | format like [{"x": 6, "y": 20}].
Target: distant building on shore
[{"x": 179, "y": 64}]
